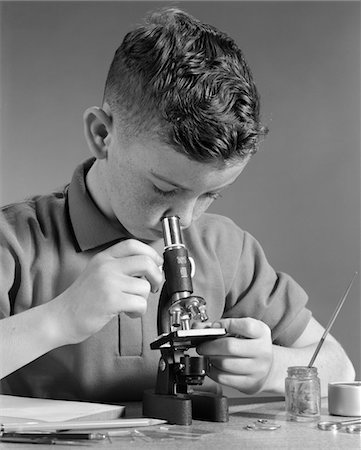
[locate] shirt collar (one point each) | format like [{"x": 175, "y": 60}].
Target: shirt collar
[{"x": 91, "y": 228}]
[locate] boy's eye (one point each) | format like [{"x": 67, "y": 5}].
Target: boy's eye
[
  {"x": 170, "y": 193},
  {"x": 173, "y": 192}
]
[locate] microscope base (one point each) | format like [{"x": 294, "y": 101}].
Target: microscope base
[
  {"x": 209, "y": 406},
  {"x": 181, "y": 408}
]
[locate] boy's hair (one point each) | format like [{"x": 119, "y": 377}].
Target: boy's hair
[{"x": 188, "y": 82}]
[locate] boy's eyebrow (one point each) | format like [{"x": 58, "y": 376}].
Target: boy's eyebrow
[
  {"x": 166, "y": 180},
  {"x": 180, "y": 186}
]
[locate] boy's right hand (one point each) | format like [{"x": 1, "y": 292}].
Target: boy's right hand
[{"x": 118, "y": 279}]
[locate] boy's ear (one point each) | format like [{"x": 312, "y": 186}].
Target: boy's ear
[{"x": 97, "y": 127}]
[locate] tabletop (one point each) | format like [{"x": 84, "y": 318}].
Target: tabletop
[{"x": 232, "y": 435}]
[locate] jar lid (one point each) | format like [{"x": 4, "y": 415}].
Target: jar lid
[{"x": 344, "y": 398}]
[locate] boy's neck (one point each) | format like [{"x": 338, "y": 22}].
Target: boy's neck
[{"x": 97, "y": 192}]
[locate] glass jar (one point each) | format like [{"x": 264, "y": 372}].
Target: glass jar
[{"x": 302, "y": 394}]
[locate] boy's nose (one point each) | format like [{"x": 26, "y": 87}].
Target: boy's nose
[{"x": 185, "y": 214}]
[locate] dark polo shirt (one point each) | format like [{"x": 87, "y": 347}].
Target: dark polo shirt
[{"x": 46, "y": 242}]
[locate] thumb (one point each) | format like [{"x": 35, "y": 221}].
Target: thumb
[{"x": 246, "y": 327}]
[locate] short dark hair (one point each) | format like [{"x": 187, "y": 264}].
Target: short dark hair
[{"x": 189, "y": 82}]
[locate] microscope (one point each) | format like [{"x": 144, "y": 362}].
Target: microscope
[{"x": 173, "y": 398}]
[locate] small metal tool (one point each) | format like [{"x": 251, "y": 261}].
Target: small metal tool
[
  {"x": 337, "y": 425},
  {"x": 355, "y": 429}
]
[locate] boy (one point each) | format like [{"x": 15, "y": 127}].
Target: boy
[{"x": 80, "y": 275}]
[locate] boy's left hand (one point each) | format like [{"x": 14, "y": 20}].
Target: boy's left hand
[{"x": 243, "y": 358}]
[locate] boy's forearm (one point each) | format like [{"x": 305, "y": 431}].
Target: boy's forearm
[
  {"x": 332, "y": 365},
  {"x": 26, "y": 336}
]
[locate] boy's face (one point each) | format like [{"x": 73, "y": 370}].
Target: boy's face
[{"x": 146, "y": 180}]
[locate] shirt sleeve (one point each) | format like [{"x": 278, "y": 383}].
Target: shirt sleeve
[{"x": 258, "y": 291}]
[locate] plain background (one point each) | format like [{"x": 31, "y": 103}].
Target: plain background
[{"x": 299, "y": 196}]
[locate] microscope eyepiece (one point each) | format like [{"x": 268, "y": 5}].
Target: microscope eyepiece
[{"x": 172, "y": 234}]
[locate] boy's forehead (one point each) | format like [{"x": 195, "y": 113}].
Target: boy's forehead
[
  {"x": 156, "y": 158},
  {"x": 177, "y": 169}
]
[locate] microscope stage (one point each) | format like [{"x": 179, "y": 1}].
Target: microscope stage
[{"x": 187, "y": 338}]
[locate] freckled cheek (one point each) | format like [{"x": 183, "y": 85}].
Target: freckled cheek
[{"x": 150, "y": 208}]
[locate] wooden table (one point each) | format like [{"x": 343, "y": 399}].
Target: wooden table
[{"x": 230, "y": 435}]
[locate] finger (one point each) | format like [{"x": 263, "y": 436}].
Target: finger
[
  {"x": 135, "y": 286},
  {"x": 133, "y": 305},
  {"x": 132, "y": 247},
  {"x": 229, "y": 346},
  {"x": 142, "y": 266},
  {"x": 126, "y": 294},
  {"x": 201, "y": 325},
  {"x": 233, "y": 365},
  {"x": 246, "y": 327},
  {"x": 243, "y": 383}
]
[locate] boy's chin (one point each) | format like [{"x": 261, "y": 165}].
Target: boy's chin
[
  {"x": 154, "y": 235},
  {"x": 149, "y": 235}
]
